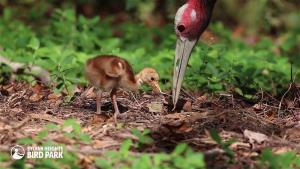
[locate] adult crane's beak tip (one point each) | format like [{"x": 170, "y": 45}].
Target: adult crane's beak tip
[{"x": 183, "y": 51}]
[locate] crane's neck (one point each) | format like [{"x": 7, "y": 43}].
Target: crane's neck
[{"x": 203, "y": 4}]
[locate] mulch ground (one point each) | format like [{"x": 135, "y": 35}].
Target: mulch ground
[{"x": 269, "y": 122}]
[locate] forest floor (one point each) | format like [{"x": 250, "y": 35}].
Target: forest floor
[{"x": 25, "y": 109}]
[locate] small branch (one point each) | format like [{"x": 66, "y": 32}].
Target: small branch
[
  {"x": 280, "y": 104},
  {"x": 34, "y": 70},
  {"x": 47, "y": 118}
]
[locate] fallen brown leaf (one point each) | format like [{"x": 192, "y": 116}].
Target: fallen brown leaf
[
  {"x": 255, "y": 137},
  {"x": 258, "y": 107},
  {"x": 54, "y": 96},
  {"x": 97, "y": 144},
  {"x": 184, "y": 128},
  {"x": 36, "y": 97},
  {"x": 155, "y": 107},
  {"x": 202, "y": 98},
  {"x": 187, "y": 107}
]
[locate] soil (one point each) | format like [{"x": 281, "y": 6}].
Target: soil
[{"x": 26, "y": 109}]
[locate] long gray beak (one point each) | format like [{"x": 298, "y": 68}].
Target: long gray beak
[{"x": 183, "y": 52}]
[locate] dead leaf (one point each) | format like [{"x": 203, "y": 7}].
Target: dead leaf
[
  {"x": 98, "y": 119},
  {"x": 202, "y": 98},
  {"x": 258, "y": 107},
  {"x": 250, "y": 154},
  {"x": 184, "y": 128},
  {"x": 281, "y": 150},
  {"x": 54, "y": 96},
  {"x": 47, "y": 117},
  {"x": 85, "y": 161},
  {"x": 297, "y": 115},
  {"x": 126, "y": 135},
  {"x": 104, "y": 143},
  {"x": 255, "y": 137},
  {"x": 90, "y": 94},
  {"x": 187, "y": 107},
  {"x": 4, "y": 92},
  {"x": 65, "y": 140},
  {"x": 240, "y": 145},
  {"x": 37, "y": 89},
  {"x": 68, "y": 129},
  {"x": 16, "y": 110},
  {"x": 155, "y": 107},
  {"x": 293, "y": 133},
  {"x": 36, "y": 97}
]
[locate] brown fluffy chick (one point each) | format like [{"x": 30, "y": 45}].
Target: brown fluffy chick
[{"x": 108, "y": 73}]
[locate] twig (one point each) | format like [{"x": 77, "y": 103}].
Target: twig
[
  {"x": 280, "y": 103},
  {"x": 34, "y": 70},
  {"x": 22, "y": 123},
  {"x": 190, "y": 96},
  {"x": 47, "y": 118}
]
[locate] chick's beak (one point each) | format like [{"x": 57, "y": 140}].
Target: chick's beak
[
  {"x": 155, "y": 87},
  {"x": 183, "y": 51}
]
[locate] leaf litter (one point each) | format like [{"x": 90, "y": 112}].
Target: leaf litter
[{"x": 25, "y": 110}]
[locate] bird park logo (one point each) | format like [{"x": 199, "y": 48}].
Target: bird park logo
[{"x": 17, "y": 152}]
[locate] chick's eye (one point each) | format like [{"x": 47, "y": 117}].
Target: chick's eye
[
  {"x": 180, "y": 28},
  {"x": 152, "y": 79}
]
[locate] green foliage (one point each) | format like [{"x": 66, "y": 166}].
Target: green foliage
[
  {"x": 224, "y": 145},
  {"x": 143, "y": 137},
  {"x": 4, "y": 157},
  {"x": 71, "y": 128},
  {"x": 66, "y": 41},
  {"x": 288, "y": 160},
  {"x": 18, "y": 164},
  {"x": 182, "y": 157}
]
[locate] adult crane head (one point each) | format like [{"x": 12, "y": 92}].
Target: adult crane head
[{"x": 190, "y": 22}]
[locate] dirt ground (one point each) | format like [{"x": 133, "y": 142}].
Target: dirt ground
[{"x": 269, "y": 122}]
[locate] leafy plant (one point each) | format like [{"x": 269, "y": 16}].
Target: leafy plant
[
  {"x": 182, "y": 157},
  {"x": 71, "y": 128},
  {"x": 224, "y": 145},
  {"x": 288, "y": 160},
  {"x": 143, "y": 137},
  {"x": 66, "y": 41}
]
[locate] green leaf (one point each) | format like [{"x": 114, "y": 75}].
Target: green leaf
[
  {"x": 180, "y": 148},
  {"x": 102, "y": 163},
  {"x": 74, "y": 124},
  {"x": 18, "y": 164},
  {"x": 52, "y": 126},
  {"x": 26, "y": 141},
  {"x": 34, "y": 43},
  {"x": 215, "y": 136},
  {"x": 4, "y": 157},
  {"x": 42, "y": 134},
  {"x": 85, "y": 138},
  {"x": 125, "y": 147}
]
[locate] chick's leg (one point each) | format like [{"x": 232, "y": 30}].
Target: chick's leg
[
  {"x": 98, "y": 100},
  {"x": 114, "y": 100}
]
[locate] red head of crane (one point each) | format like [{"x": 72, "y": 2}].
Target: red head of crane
[{"x": 190, "y": 22}]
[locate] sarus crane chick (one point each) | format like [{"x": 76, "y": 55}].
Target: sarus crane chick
[
  {"x": 190, "y": 22},
  {"x": 108, "y": 72}
]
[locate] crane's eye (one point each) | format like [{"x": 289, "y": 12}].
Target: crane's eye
[
  {"x": 152, "y": 79},
  {"x": 180, "y": 28}
]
